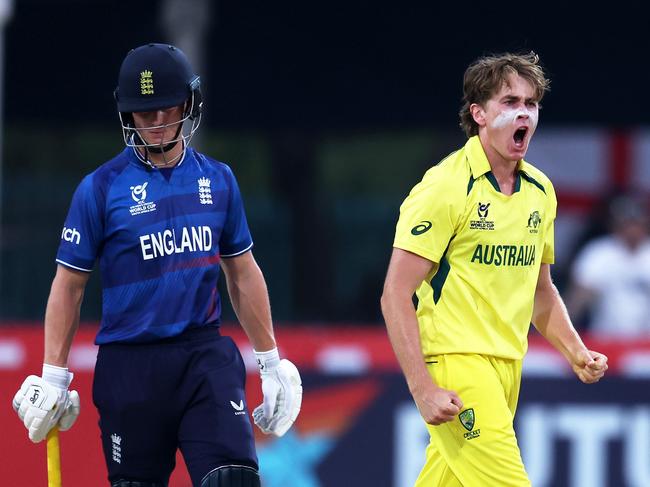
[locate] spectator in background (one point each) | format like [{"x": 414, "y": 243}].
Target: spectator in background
[{"x": 610, "y": 278}]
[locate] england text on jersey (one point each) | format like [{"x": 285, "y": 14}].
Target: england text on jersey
[{"x": 192, "y": 239}]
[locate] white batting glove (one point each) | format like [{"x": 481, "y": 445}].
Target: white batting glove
[
  {"x": 71, "y": 412},
  {"x": 43, "y": 402},
  {"x": 282, "y": 389}
]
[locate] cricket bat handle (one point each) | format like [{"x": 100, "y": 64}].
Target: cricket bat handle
[{"x": 53, "y": 459}]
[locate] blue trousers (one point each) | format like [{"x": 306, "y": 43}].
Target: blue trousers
[{"x": 183, "y": 392}]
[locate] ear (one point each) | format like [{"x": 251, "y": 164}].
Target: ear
[{"x": 478, "y": 114}]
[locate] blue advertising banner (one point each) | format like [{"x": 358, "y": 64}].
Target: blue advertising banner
[{"x": 366, "y": 431}]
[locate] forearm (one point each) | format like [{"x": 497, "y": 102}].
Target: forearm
[
  {"x": 551, "y": 319},
  {"x": 250, "y": 300},
  {"x": 403, "y": 332},
  {"x": 579, "y": 299},
  {"x": 61, "y": 321}
]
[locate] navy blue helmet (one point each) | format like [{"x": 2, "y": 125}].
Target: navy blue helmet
[{"x": 155, "y": 77}]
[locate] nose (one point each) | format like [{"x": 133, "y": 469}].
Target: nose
[{"x": 158, "y": 117}]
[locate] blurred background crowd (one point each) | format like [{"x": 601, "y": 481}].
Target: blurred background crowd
[{"x": 328, "y": 113}]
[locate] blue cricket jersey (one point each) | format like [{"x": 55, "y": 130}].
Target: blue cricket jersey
[{"x": 159, "y": 241}]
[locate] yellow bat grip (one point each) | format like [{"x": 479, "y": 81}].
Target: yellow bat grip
[{"x": 53, "y": 459}]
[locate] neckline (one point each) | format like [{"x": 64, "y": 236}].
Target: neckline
[{"x": 495, "y": 184}]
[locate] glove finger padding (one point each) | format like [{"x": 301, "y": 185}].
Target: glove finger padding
[
  {"x": 268, "y": 425},
  {"x": 287, "y": 396},
  {"x": 292, "y": 397},
  {"x": 71, "y": 411},
  {"x": 271, "y": 390},
  {"x": 262, "y": 422},
  {"x": 265, "y": 416},
  {"x": 18, "y": 399}
]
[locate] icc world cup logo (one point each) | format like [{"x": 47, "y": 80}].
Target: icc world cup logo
[
  {"x": 139, "y": 193},
  {"x": 483, "y": 210}
]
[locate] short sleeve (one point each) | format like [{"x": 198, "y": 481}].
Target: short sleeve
[
  {"x": 82, "y": 231},
  {"x": 429, "y": 216},
  {"x": 548, "y": 254},
  {"x": 235, "y": 237}
]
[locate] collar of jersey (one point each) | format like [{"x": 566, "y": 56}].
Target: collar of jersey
[{"x": 478, "y": 161}]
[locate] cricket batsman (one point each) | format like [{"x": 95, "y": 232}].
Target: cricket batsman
[
  {"x": 163, "y": 220},
  {"x": 474, "y": 242}
]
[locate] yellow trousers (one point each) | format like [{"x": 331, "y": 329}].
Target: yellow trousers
[{"x": 478, "y": 448}]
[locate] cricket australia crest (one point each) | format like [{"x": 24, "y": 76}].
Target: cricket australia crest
[
  {"x": 467, "y": 418},
  {"x": 534, "y": 221}
]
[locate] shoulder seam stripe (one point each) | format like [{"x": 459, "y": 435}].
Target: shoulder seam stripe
[
  {"x": 532, "y": 180},
  {"x": 442, "y": 161}
]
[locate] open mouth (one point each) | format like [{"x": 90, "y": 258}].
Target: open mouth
[{"x": 520, "y": 136}]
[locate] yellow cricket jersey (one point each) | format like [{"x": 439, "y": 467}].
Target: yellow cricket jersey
[{"x": 489, "y": 248}]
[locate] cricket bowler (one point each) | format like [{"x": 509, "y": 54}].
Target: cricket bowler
[{"x": 474, "y": 242}]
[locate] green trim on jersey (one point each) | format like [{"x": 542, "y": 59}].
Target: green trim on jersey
[
  {"x": 532, "y": 180},
  {"x": 489, "y": 247},
  {"x": 438, "y": 281},
  {"x": 495, "y": 184},
  {"x": 470, "y": 185},
  {"x": 493, "y": 181}
]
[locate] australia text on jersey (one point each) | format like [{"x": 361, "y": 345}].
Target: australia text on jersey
[
  {"x": 192, "y": 239},
  {"x": 504, "y": 255}
]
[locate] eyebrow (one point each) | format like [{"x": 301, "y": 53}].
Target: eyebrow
[{"x": 513, "y": 97}]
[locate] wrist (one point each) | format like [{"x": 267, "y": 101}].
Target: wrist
[
  {"x": 420, "y": 380},
  {"x": 267, "y": 361},
  {"x": 422, "y": 387},
  {"x": 59, "y": 377},
  {"x": 573, "y": 350}
]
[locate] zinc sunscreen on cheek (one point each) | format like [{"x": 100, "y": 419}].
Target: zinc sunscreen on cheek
[{"x": 508, "y": 117}]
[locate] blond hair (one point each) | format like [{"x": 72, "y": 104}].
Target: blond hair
[{"x": 485, "y": 77}]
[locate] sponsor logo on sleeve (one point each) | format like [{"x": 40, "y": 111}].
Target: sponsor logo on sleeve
[
  {"x": 71, "y": 235},
  {"x": 420, "y": 228}
]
